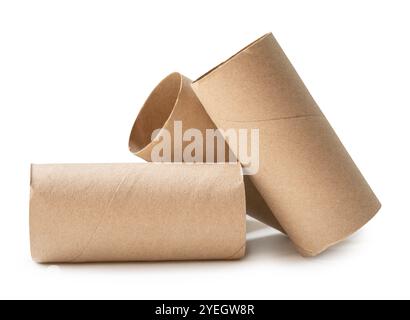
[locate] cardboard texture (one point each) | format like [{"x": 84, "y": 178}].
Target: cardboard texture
[
  {"x": 136, "y": 212},
  {"x": 306, "y": 176},
  {"x": 174, "y": 100}
]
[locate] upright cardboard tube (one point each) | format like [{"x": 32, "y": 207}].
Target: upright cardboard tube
[
  {"x": 137, "y": 212},
  {"x": 306, "y": 176},
  {"x": 173, "y": 100}
]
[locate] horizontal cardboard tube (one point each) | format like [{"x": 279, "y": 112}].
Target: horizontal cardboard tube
[
  {"x": 174, "y": 100},
  {"x": 306, "y": 176},
  {"x": 137, "y": 212}
]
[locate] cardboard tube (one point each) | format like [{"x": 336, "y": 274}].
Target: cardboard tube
[
  {"x": 137, "y": 212},
  {"x": 174, "y": 100},
  {"x": 306, "y": 176}
]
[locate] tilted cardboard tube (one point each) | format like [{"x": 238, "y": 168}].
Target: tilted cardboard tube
[
  {"x": 174, "y": 100},
  {"x": 137, "y": 212},
  {"x": 306, "y": 176}
]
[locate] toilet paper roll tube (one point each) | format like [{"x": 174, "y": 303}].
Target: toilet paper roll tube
[
  {"x": 136, "y": 212},
  {"x": 306, "y": 176},
  {"x": 173, "y": 101}
]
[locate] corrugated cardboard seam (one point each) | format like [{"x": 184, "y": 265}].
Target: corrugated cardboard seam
[{"x": 273, "y": 119}]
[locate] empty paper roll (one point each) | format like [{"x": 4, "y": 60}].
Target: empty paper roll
[
  {"x": 174, "y": 107},
  {"x": 305, "y": 175},
  {"x": 136, "y": 212}
]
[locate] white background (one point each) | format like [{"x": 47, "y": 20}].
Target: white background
[{"x": 73, "y": 75}]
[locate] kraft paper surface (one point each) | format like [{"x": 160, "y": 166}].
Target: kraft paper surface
[
  {"x": 174, "y": 100},
  {"x": 137, "y": 212},
  {"x": 306, "y": 176}
]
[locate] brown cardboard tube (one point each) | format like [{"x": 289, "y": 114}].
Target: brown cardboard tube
[
  {"x": 306, "y": 176},
  {"x": 137, "y": 212},
  {"x": 174, "y": 100}
]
